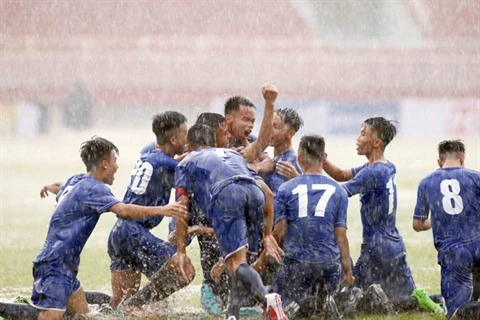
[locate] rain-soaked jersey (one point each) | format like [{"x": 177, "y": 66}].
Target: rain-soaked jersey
[
  {"x": 378, "y": 200},
  {"x": 273, "y": 179},
  {"x": 78, "y": 209},
  {"x": 204, "y": 173},
  {"x": 151, "y": 182},
  {"x": 452, "y": 196},
  {"x": 313, "y": 205}
]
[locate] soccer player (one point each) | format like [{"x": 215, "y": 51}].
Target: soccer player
[
  {"x": 448, "y": 202},
  {"x": 311, "y": 222},
  {"x": 240, "y": 119},
  {"x": 383, "y": 255},
  {"x": 214, "y": 294},
  {"x": 223, "y": 186},
  {"x": 132, "y": 248},
  {"x": 286, "y": 123},
  {"x": 56, "y": 289}
]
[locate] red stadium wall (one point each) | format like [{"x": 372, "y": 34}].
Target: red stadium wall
[{"x": 144, "y": 53}]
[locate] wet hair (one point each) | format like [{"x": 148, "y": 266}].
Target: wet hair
[
  {"x": 95, "y": 150},
  {"x": 210, "y": 119},
  {"x": 384, "y": 129},
  {"x": 165, "y": 125},
  {"x": 200, "y": 135},
  {"x": 451, "y": 148},
  {"x": 291, "y": 118},
  {"x": 233, "y": 104},
  {"x": 312, "y": 148}
]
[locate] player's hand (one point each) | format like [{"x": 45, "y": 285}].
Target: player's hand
[
  {"x": 269, "y": 92},
  {"x": 53, "y": 188},
  {"x": 185, "y": 266},
  {"x": 217, "y": 270},
  {"x": 286, "y": 170},
  {"x": 238, "y": 149},
  {"x": 348, "y": 279},
  {"x": 272, "y": 249},
  {"x": 181, "y": 157},
  {"x": 175, "y": 210}
]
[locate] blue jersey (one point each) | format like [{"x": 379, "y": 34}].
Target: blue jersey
[
  {"x": 452, "y": 196},
  {"x": 204, "y": 173},
  {"x": 378, "y": 198},
  {"x": 314, "y": 205},
  {"x": 151, "y": 182},
  {"x": 79, "y": 207},
  {"x": 273, "y": 179}
]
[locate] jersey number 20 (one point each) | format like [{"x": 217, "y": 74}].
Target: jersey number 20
[{"x": 302, "y": 191}]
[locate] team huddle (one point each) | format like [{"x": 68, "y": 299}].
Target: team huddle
[{"x": 272, "y": 232}]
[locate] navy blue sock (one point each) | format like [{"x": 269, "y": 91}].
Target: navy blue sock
[
  {"x": 470, "y": 311},
  {"x": 251, "y": 281},
  {"x": 17, "y": 311}
]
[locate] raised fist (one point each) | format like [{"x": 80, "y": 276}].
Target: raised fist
[{"x": 269, "y": 92}]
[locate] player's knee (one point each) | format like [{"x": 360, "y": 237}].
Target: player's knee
[{"x": 50, "y": 315}]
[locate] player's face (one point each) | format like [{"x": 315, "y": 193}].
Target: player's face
[
  {"x": 181, "y": 139},
  {"x": 279, "y": 131},
  {"x": 365, "y": 140},
  {"x": 111, "y": 168},
  {"x": 222, "y": 136},
  {"x": 241, "y": 123}
]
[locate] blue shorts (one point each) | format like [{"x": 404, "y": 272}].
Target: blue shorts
[
  {"x": 131, "y": 246},
  {"x": 296, "y": 280},
  {"x": 456, "y": 270},
  {"x": 237, "y": 216},
  {"x": 387, "y": 266},
  {"x": 52, "y": 287}
]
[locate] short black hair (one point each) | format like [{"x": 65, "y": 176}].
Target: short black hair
[
  {"x": 312, "y": 147},
  {"x": 165, "y": 124},
  {"x": 210, "y": 119},
  {"x": 455, "y": 148},
  {"x": 95, "y": 150},
  {"x": 233, "y": 104},
  {"x": 200, "y": 135},
  {"x": 383, "y": 128},
  {"x": 291, "y": 117}
]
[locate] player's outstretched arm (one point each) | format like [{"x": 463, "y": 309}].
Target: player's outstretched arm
[
  {"x": 181, "y": 229},
  {"x": 336, "y": 173},
  {"x": 253, "y": 151},
  {"x": 133, "y": 211},
  {"x": 53, "y": 188},
  {"x": 342, "y": 242}
]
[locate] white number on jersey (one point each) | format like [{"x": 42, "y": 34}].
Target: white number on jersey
[
  {"x": 391, "y": 192},
  {"x": 142, "y": 174},
  {"x": 452, "y": 202},
  {"x": 302, "y": 191}
]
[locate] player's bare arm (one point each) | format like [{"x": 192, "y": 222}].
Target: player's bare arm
[
  {"x": 421, "y": 225},
  {"x": 53, "y": 188},
  {"x": 201, "y": 230},
  {"x": 342, "y": 242},
  {"x": 336, "y": 173},
  {"x": 271, "y": 246},
  {"x": 253, "y": 151},
  {"x": 181, "y": 229},
  {"x": 132, "y": 211},
  {"x": 264, "y": 165}
]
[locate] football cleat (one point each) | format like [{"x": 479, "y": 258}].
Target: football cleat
[
  {"x": 378, "y": 300},
  {"x": 209, "y": 303},
  {"x": 274, "y": 309},
  {"x": 425, "y": 302}
]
